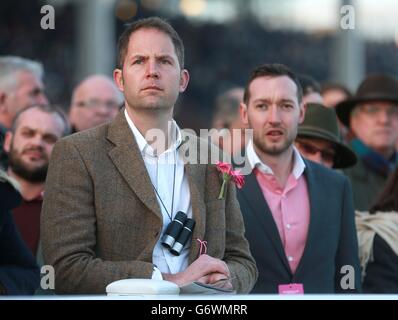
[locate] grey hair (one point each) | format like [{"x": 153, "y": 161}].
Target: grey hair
[{"x": 11, "y": 65}]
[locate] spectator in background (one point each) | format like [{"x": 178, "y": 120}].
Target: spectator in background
[
  {"x": 334, "y": 93},
  {"x": 231, "y": 139},
  {"x": 19, "y": 273},
  {"x": 29, "y": 145},
  {"x": 298, "y": 215},
  {"x": 311, "y": 89},
  {"x": 372, "y": 115},
  {"x": 95, "y": 100},
  {"x": 318, "y": 138},
  {"x": 21, "y": 86},
  {"x": 378, "y": 241},
  {"x": 396, "y": 147}
]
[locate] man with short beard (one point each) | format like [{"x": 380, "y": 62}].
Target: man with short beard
[
  {"x": 29, "y": 144},
  {"x": 298, "y": 215},
  {"x": 21, "y": 86}
]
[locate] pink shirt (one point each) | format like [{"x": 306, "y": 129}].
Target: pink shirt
[{"x": 290, "y": 206}]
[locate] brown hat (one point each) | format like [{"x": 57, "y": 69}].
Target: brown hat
[
  {"x": 321, "y": 123},
  {"x": 377, "y": 87}
]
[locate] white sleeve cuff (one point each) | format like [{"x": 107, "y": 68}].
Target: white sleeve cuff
[{"x": 156, "y": 274}]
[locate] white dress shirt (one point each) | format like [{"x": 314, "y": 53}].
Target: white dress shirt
[
  {"x": 161, "y": 172},
  {"x": 255, "y": 161}
]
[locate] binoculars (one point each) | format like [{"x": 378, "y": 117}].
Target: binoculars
[{"x": 178, "y": 233}]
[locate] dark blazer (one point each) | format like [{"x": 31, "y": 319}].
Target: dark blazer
[
  {"x": 381, "y": 273},
  {"x": 101, "y": 220},
  {"x": 19, "y": 273},
  {"x": 331, "y": 242}
]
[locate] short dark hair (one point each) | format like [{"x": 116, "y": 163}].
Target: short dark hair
[
  {"x": 273, "y": 70},
  {"x": 309, "y": 84},
  {"x": 336, "y": 86},
  {"x": 47, "y": 109},
  {"x": 227, "y": 106},
  {"x": 149, "y": 23}
]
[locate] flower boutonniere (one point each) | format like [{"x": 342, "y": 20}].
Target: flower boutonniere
[{"x": 227, "y": 174}]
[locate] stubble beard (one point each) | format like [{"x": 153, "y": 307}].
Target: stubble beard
[
  {"x": 19, "y": 168},
  {"x": 273, "y": 149},
  {"x": 156, "y": 105},
  {"x": 151, "y": 106}
]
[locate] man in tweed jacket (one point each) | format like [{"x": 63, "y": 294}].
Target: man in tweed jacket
[{"x": 102, "y": 218}]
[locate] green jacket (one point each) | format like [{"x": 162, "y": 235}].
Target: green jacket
[{"x": 366, "y": 185}]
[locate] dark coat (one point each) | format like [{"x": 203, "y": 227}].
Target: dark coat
[
  {"x": 331, "y": 243},
  {"x": 19, "y": 274},
  {"x": 382, "y": 272},
  {"x": 3, "y": 155},
  {"x": 366, "y": 185}
]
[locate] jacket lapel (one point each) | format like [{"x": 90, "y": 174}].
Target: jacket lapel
[
  {"x": 263, "y": 215},
  {"x": 315, "y": 217},
  {"x": 196, "y": 174},
  {"x": 128, "y": 160}
]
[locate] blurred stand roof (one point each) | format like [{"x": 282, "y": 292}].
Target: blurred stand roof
[{"x": 224, "y": 40}]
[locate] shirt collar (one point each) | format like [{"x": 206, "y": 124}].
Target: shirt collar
[
  {"x": 143, "y": 145},
  {"x": 255, "y": 162}
]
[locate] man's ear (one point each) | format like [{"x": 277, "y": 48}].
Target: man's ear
[
  {"x": 184, "y": 79},
  {"x": 243, "y": 113},
  {"x": 3, "y": 98},
  {"x": 7, "y": 142},
  {"x": 303, "y": 109},
  {"x": 118, "y": 78}
]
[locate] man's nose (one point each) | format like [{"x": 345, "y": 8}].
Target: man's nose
[
  {"x": 41, "y": 99},
  {"x": 274, "y": 116},
  {"x": 152, "y": 69},
  {"x": 102, "y": 109},
  {"x": 383, "y": 116},
  {"x": 37, "y": 141},
  {"x": 316, "y": 157}
]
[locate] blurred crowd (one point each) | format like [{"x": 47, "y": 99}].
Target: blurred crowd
[
  {"x": 206, "y": 47},
  {"x": 355, "y": 133}
]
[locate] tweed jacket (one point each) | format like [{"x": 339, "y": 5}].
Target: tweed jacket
[{"x": 101, "y": 220}]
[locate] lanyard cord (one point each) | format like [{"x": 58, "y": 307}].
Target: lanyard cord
[
  {"x": 170, "y": 215},
  {"x": 174, "y": 180}
]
